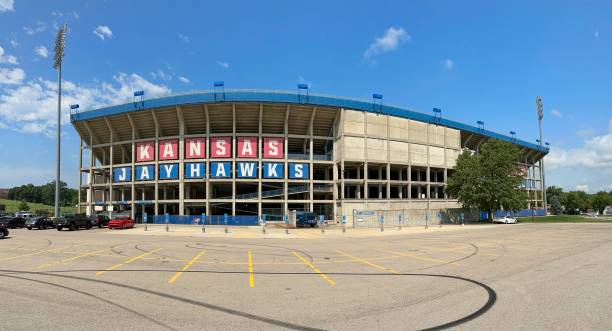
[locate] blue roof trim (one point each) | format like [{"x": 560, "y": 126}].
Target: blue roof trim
[{"x": 292, "y": 98}]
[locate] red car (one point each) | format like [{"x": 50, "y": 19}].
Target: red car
[{"x": 121, "y": 222}]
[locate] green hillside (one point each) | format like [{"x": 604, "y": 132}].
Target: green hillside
[{"x": 11, "y": 206}]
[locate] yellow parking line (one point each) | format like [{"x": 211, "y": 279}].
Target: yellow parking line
[
  {"x": 186, "y": 266},
  {"x": 366, "y": 262},
  {"x": 74, "y": 258},
  {"x": 315, "y": 269},
  {"x": 251, "y": 279},
  {"x": 39, "y": 252},
  {"x": 99, "y": 273},
  {"x": 428, "y": 259}
]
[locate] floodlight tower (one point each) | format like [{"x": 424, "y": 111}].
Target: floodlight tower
[
  {"x": 540, "y": 116},
  {"x": 57, "y": 65}
]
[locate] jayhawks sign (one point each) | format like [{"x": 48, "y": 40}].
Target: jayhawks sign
[{"x": 215, "y": 170}]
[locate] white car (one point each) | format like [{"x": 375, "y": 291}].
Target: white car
[{"x": 505, "y": 220}]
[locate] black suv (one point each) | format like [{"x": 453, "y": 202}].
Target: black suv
[
  {"x": 99, "y": 220},
  {"x": 12, "y": 222},
  {"x": 39, "y": 222},
  {"x": 72, "y": 222}
]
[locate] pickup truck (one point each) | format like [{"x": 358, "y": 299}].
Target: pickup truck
[{"x": 72, "y": 222}]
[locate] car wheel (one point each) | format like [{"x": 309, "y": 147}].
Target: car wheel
[
  {"x": 43, "y": 227},
  {"x": 72, "y": 227},
  {"x": 88, "y": 226},
  {"x": 100, "y": 225},
  {"x": 59, "y": 228},
  {"x": 2, "y": 234},
  {"x": 29, "y": 228}
]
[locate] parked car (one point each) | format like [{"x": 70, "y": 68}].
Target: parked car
[
  {"x": 99, "y": 220},
  {"x": 305, "y": 219},
  {"x": 4, "y": 232},
  {"x": 505, "y": 220},
  {"x": 72, "y": 222},
  {"x": 24, "y": 214},
  {"x": 12, "y": 222},
  {"x": 39, "y": 222},
  {"x": 121, "y": 222}
]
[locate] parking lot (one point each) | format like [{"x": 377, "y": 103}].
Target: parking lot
[{"x": 526, "y": 276}]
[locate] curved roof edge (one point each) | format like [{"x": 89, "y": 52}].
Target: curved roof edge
[{"x": 293, "y": 98}]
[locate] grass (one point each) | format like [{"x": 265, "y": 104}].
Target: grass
[
  {"x": 11, "y": 206},
  {"x": 565, "y": 219}
]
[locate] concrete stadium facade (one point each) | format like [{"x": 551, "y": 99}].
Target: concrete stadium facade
[{"x": 252, "y": 152}]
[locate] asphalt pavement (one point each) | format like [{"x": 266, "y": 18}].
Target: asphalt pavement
[{"x": 495, "y": 277}]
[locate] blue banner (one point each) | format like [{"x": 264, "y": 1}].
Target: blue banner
[
  {"x": 168, "y": 171},
  {"x": 220, "y": 169},
  {"x": 273, "y": 170},
  {"x": 145, "y": 172},
  {"x": 246, "y": 169},
  {"x": 122, "y": 174},
  {"x": 195, "y": 170},
  {"x": 299, "y": 171}
]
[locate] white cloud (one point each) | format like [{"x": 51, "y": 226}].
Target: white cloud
[
  {"x": 160, "y": 74},
  {"x": 7, "y": 59},
  {"x": 448, "y": 64},
  {"x": 32, "y": 106},
  {"x": 7, "y": 5},
  {"x": 11, "y": 76},
  {"x": 582, "y": 187},
  {"x": 36, "y": 28},
  {"x": 76, "y": 15},
  {"x": 596, "y": 152},
  {"x": 184, "y": 38},
  {"x": 103, "y": 32},
  {"x": 224, "y": 65},
  {"x": 57, "y": 13},
  {"x": 42, "y": 51},
  {"x": 596, "y": 34},
  {"x": 14, "y": 43},
  {"x": 183, "y": 79},
  {"x": 556, "y": 113},
  {"x": 388, "y": 42}
]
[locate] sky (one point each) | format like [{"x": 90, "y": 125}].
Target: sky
[{"x": 475, "y": 60}]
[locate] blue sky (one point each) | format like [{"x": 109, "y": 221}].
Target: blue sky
[{"x": 476, "y": 60}]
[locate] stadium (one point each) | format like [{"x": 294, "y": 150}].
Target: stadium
[{"x": 247, "y": 155}]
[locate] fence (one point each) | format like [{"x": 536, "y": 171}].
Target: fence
[
  {"x": 412, "y": 217},
  {"x": 208, "y": 220}
]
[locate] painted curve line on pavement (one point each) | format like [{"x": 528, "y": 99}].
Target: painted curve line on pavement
[{"x": 492, "y": 295}]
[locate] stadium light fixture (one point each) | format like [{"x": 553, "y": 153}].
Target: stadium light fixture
[
  {"x": 437, "y": 114},
  {"x": 547, "y": 144},
  {"x": 377, "y": 96},
  {"x": 74, "y": 107},
  {"x": 60, "y": 43},
  {"x": 480, "y": 125},
  {"x": 539, "y": 141},
  {"x": 138, "y": 97},
  {"x": 221, "y": 85},
  {"x": 302, "y": 86},
  {"x": 513, "y": 134}
]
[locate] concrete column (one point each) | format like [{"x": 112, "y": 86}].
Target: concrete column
[
  {"x": 80, "y": 179},
  {"x": 260, "y": 155},
  {"x": 181, "y": 150}
]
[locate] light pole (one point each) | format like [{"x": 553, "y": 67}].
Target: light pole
[
  {"x": 57, "y": 64},
  {"x": 540, "y": 116}
]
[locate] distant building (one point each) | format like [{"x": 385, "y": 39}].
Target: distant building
[{"x": 4, "y": 193}]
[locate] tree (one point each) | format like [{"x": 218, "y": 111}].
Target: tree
[
  {"x": 490, "y": 180},
  {"x": 601, "y": 200},
  {"x": 576, "y": 201},
  {"x": 23, "y": 205},
  {"x": 556, "y": 205}
]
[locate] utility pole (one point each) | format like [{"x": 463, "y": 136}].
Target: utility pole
[
  {"x": 540, "y": 116},
  {"x": 57, "y": 65}
]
